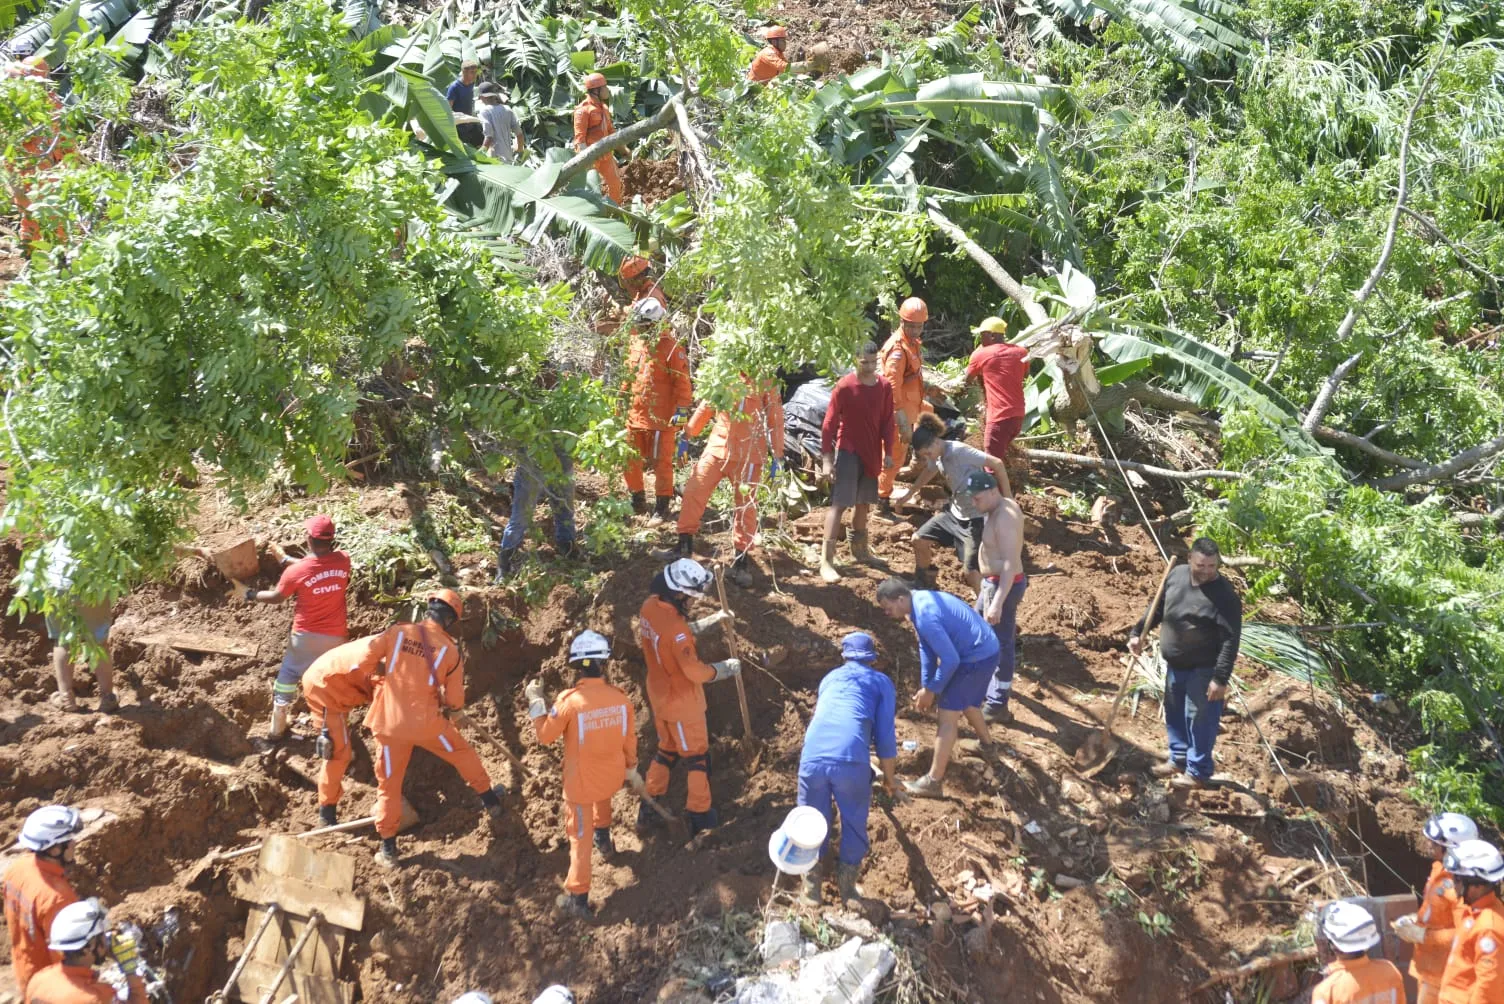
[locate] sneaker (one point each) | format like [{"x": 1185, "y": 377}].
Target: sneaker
[
  {"x": 661, "y": 513},
  {"x": 62, "y": 702},
  {"x": 1189, "y": 782},
  {"x": 1167, "y": 769},
  {"x": 386, "y": 855},
  {"x": 327, "y": 815},
  {"x": 925, "y": 787},
  {"x": 997, "y": 714},
  {"x": 576, "y": 905},
  {"x": 109, "y": 704},
  {"x": 810, "y": 893},
  {"x": 604, "y": 843}
]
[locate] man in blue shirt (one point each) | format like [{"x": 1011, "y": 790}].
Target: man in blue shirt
[
  {"x": 461, "y": 93},
  {"x": 958, "y": 652},
  {"x": 853, "y": 713}
]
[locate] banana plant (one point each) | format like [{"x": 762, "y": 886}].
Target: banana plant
[{"x": 1197, "y": 33}]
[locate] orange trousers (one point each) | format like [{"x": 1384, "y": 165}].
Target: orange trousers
[
  {"x": 702, "y": 481},
  {"x": 1427, "y": 993},
  {"x": 332, "y": 773},
  {"x": 889, "y": 475},
  {"x": 392, "y": 756},
  {"x": 582, "y": 819},
  {"x": 656, "y": 447},
  {"x": 610, "y": 178},
  {"x": 690, "y": 742}
]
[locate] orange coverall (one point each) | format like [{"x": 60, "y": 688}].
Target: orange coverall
[
  {"x": 767, "y": 64},
  {"x": 676, "y": 693},
  {"x": 45, "y": 150},
  {"x": 1360, "y": 981},
  {"x": 1473, "y": 975},
  {"x": 422, "y": 677},
  {"x": 600, "y": 746},
  {"x": 338, "y": 682},
  {"x": 903, "y": 366},
  {"x": 659, "y": 385},
  {"x": 739, "y": 443},
  {"x": 60, "y": 984},
  {"x": 592, "y": 123},
  {"x": 35, "y": 890},
  {"x": 1437, "y": 914}
]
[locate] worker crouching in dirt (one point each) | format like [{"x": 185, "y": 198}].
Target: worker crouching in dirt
[
  {"x": 676, "y": 681},
  {"x": 338, "y": 682},
  {"x": 1432, "y": 928},
  {"x": 1473, "y": 972},
  {"x": 81, "y": 935},
  {"x": 854, "y": 713},
  {"x": 423, "y": 678},
  {"x": 37, "y": 888},
  {"x": 659, "y": 394},
  {"x": 318, "y": 585},
  {"x": 958, "y": 652},
  {"x": 599, "y": 731},
  {"x": 770, "y": 60},
  {"x": 1345, "y": 932}
]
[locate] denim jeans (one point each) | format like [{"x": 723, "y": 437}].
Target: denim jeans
[
  {"x": 527, "y": 484},
  {"x": 1001, "y": 687},
  {"x": 850, "y": 786},
  {"x": 1191, "y": 721}
]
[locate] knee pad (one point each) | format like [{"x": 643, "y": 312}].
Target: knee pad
[
  {"x": 666, "y": 757},
  {"x": 700, "y": 761}
]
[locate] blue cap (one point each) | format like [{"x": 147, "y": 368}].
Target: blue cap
[{"x": 859, "y": 645}]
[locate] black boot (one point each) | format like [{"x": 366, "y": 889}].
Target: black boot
[
  {"x": 660, "y": 508},
  {"x": 386, "y": 857},
  {"x": 327, "y": 815},
  {"x": 492, "y": 800},
  {"x": 699, "y": 822},
  {"x": 647, "y": 819},
  {"x": 506, "y": 564},
  {"x": 639, "y": 502},
  {"x": 577, "y": 905},
  {"x": 685, "y": 548},
  {"x": 741, "y": 571},
  {"x": 604, "y": 843}
]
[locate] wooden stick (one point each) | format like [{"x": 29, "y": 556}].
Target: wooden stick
[
  {"x": 272, "y": 910},
  {"x": 353, "y": 824},
  {"x": 292, "y": 957},
  {"x": 1256, "y": 966},
  {"x": 741, "y": 688},
  {"x": 468, "y": 722},
  {"x": 641, "y": 791}
]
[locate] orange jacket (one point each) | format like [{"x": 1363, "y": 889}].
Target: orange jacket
[
  {"x": 1360, "y": 981},
  {"x": 343, "y": 678},
  {"x": 60, "y": 984},
  {"x": 676, "y": 676},
  {"x": 747, "y": 435},
  {"x": 35, "y": 890},
  {"x": 600, "y": 738},
  {"x": 653, "y": 290},
  {"x": 1438, "y": 907},
  {"x": 903, "y": 366},
  {"x": 659, "y": 382},
  {"x": 420, "y": 674},
  {"x": 592, "y": 122},
  {"x": 767, "y": 64},
  {"x": 1473, "y": 974}
]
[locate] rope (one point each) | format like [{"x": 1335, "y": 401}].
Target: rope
[{"x": 1148, "y": 524}]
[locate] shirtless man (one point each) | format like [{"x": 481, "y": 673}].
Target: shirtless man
[{"x": 1002, "y": 561}]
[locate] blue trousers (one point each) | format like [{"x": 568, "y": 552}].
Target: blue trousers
[
  {"x": 527, "y": 485},
  {"x": 1191, "y": 721},
  {"x": 1001, "y": 687},
  {"x": 849, "y": 785}
]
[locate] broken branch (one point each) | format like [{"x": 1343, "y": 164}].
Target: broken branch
[
  {"x": 1461, "y": 462},
  {"x": 1097, "y": 463},
  {"x": 1337, "y": 437}
]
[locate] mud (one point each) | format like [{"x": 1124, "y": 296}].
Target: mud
[{"x": 654, "y": 180}]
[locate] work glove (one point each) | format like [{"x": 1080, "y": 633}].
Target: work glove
[
  {"x": 124, "y": 949},
  {"x": 704, "y": 624},
  {"x": 634, "y": 779},
  {"x": 537, "y": 705},
  {"x": 726, "y": 669},
  {"x": 324, "y": 745},
  {"x": 1408, "y": 929},
  {"x": 682, "y": 450},
  {"x": 773, "y": 470}
]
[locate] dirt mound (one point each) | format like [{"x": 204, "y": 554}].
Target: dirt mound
[{"x": 654, "y": 180}]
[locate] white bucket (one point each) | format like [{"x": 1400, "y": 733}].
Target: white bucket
[{"x": 795, "y": 846}]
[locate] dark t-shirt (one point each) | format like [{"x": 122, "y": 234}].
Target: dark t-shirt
[
  {"x": 461, "y": 97},
  {"x": 1200, "y": 626}
]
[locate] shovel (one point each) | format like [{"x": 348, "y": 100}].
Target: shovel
[
  {"x": 1101, "y": 746},
  {"x": 741, "y": 688},
  {"x": 470, "y": 723}
]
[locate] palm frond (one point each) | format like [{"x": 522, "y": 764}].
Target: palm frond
[
  {"x": 601, "y": 242},
  {"x": 1281, "y": 648}
]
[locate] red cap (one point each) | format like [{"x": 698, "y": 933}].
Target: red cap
[{"x": 320, "y": 527}]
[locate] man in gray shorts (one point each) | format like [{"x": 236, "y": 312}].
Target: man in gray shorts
[
  {"x": 856, "y": 443},
  {"x": 96, "y": 622}
]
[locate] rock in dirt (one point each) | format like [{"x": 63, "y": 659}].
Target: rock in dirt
[{"x": 781, "y": 942}]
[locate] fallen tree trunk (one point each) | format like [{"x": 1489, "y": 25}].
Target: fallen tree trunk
[
  {"x": 1461, "y": 462},
  {"x": 580, "y": 162},
  {"x": 1336, "y": 437},
  {"x": 995, "y": 271},
  {"x": 1096, "y": 463}
]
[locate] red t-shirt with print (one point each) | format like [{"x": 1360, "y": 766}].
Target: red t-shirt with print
[{"x": 318, "y": 584}]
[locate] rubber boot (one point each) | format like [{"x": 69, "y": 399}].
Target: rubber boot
[
  {"x": 327, "y": 815},
  {"x": 862, "y": 551},
  {"x": 506, "y": 564},
  {"x": 604, "y": 843},
  {"x": 661, "y": 507},
  {"x": 386, "y": 855},
  {"x": 828, "y": 570},
  {"x": 639, "y": 503},
  {"x": 278, "y": 729},
  {"x": 740, "y": 571},
  {"x": 699, "y": 822},
  {"x": 685, "y": 548},
  {"x": 846, "y": 881},
  {"x": 810, "y": 892},
  {"x": 576, "y": 905},
  {"x": 492, "y": 801},
  {"x": 647, "y": 819}
]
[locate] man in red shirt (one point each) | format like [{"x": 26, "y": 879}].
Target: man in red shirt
[
  {"x": 857, "y": 441},
  {"x": 317, "y": 586},
  {"x": 1002, "y": 368}
]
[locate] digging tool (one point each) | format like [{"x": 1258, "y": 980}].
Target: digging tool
[
  {"x": 292, "y": 957},
  {"x": 641, "y": 790},
  {"x": 409, "y": 819},
  {"x": 741, "y": 688},
  {"x": 272, "y": 910},
  {"x": 470, "y": 723},
  {"x": 1101, "y": 746}
]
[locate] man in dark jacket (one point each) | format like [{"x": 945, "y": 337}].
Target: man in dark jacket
[{"x": 1201, "y": 620}]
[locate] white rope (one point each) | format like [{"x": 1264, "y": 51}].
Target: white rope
[{"x": 1148, "y": 524}]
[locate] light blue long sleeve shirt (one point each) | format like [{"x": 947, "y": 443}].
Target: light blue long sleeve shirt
[
  {"x": 951, "y": 634},
  {"x": 853, "y": 712}
]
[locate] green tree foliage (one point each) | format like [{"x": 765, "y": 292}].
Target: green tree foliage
[{"x": 693, "y": 38}]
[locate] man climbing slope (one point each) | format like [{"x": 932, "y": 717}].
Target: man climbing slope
[
  {"x": 592, "y": 123},
  {"x": 36, "y": 886},
  {"x": 421, "y": 679},
  {"x": 856, "y": 443},
  {"x": 599, "y": 731},
  {"x": 1001, "y": 368},
  {"x": 338, "y": 682},
  {"x": 660, "y": 395},
  {"x": 770, "y": 60}
]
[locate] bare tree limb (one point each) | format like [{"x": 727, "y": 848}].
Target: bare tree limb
[
  {"x": 1337, "y": 437},
  {"x": 995, "y": 271},
  {"x": 692, "y": 142},
  {"x": 1469, "y": 519},
  {"x": 1096, "y": 463},
  {"x": 1461, "y": 462},
  {"x": 581, "y": 162},
  {"x": 1433, "y": 228},
  {"x": 1323, "y": 402}
]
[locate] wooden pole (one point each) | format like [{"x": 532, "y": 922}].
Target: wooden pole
[
  {"x": 292, "y": 957},
  {"x": 741, "y": 688}
]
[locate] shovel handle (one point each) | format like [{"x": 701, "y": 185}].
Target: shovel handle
[
  {"x": 1128, "y": 675},
  {"x": 464, "y": 719},
  {"x": 741, "y": 688},
  {"x": 641, "y": 791}
]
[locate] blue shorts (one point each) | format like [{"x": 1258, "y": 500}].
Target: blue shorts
[
  {"x": 968, "y": 686},
  {"x": 96, "y": 620}
]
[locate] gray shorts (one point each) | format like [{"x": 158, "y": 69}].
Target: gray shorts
[
  {"x": 96, "y": 620},
  {"x": 853, "y": 486},
  {"x": 303, "y": 647}
]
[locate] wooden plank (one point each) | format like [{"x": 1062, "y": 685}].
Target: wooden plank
[
  {"x": 289, "y": 857},
  {"x": 323, "y": 955},
  {"x": 343, "y": 909},
  {"x": 194, "y": 641},
  {"x": 310, "y": 988}
]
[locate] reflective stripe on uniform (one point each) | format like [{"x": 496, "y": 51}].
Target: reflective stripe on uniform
[
  {"x": 683, "y": 743},
  {"x": 444, "y": 742},
  {"x": 579, "y": 821},
  {"x": 623, "y": 709},
  {"x": 386, "y": 760}
]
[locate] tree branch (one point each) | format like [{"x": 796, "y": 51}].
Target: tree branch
[
  {"x": 1461, "y": 462},
  {"x": 580, "y": 162},
  {"x": 692, "y": 143},
  {"x": 1097, "y": 463},
  {"x": 1337, "y": 437},
  {"x": 995, "y": 271},
  {"x": 1435, "y": 230},
  {"x": 1323, "y": 402}
]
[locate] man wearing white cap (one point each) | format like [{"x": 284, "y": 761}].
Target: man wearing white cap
[{"x": 1344, "y": 934}]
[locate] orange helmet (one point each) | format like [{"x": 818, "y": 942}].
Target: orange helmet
[
  {"x": 777, "y": 31},
  {"x": 449, "y": 598},
  {"x": 633, "y": 267},
  {"x": 595, "y": 80},
  {"x": 914, "y": 309}
]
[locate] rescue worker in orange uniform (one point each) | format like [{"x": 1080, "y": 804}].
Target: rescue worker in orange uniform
[
  {"x": 599, "y": 730},
  {"x": 1344, "y": 934},
  {"x": 37, "y": 887},
  {"x": 338, "y": 682},
  {"x": 770, "y": 61},
  {"x": 659, "y": 385},
  {"x": 1432, "y": 929},
  {"x": 902, "y": 362},
  {"x": 43, "y": 150},
  {"x": 637, "y": 278},
  {"x": 420, "y": 678},
  {"x": 80, "y": 934},
  {"x": 1473, "y": 974},
  {"x": 592, "y": 123},
  {"x": 741, "y": 439},
  {"x": 676, "y": 681}
]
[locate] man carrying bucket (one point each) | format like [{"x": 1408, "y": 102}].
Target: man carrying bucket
[{"x": 853, "y": 712}]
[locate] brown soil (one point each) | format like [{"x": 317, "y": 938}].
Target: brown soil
[
  {"x": 654, "y": 180},
  {"x": 857, "y": 31},
  {"x": 473, "y": 907}
]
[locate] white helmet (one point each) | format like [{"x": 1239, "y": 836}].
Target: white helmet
[
  {"x": 555, "y": 995},
  {"x": 647, "y": 311},
  {"x": 1475, "y": 859},
  {"x": 687, "y": 575},
  {"x": 473, "y": 997},
  {"x": 1450, "y": 828},
  {"x": 76, "y": 925},
  {"x": 589, "y": 645},
  {"x": 50, "y": 826},
  {"x": 1349, "y": 927}
]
